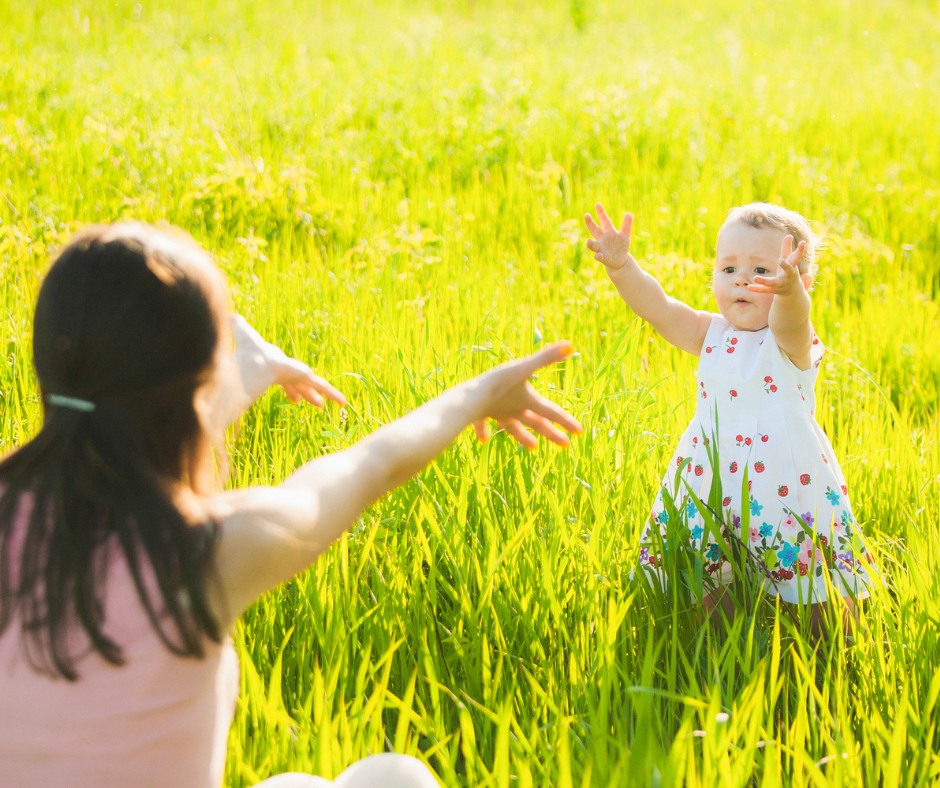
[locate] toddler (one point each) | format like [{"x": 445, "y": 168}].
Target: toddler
[{"x": 759, "y": 357}]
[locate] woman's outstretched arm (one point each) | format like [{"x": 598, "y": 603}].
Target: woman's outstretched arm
[{"x": 269, "y": 534}]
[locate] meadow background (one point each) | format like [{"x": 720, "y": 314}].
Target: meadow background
[{"x": 395, "y": 190}]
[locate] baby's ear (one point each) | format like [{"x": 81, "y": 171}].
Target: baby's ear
[{"x": 807, "y": 280}]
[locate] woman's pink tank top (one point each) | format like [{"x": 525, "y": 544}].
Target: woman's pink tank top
[{"x": 159, "y": 721}]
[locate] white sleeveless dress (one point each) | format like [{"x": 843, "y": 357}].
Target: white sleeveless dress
[{"x": 793, "y": 513}]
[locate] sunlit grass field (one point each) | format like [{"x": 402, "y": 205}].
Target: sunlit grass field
[{"x": 395, "y": 191}]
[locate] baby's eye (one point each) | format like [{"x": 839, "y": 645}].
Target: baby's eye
[
  {"x": 728, "y": 269},
  {"x": 760, "y": 271}
]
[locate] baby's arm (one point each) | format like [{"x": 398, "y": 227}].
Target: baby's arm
[
  {"x": 789, "y": 313},
  {"x": 674, "y": 321}
]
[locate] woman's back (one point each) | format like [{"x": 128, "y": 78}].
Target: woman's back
[{"x": 159, "y": 720}]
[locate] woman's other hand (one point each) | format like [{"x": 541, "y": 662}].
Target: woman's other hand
[{"x": 262, "y": 365}]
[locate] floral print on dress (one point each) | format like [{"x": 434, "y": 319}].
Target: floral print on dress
[{"x": 773, "y": 460}]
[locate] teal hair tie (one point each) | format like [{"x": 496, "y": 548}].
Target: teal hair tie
[{"x": 71, "y": 402}]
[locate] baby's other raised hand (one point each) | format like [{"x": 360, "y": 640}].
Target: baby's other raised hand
[
  {"x": 787, "y": 280},
  {"x": 610, "y": 245}
]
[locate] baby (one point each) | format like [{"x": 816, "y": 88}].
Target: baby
[{"x": 782, "y": 491}]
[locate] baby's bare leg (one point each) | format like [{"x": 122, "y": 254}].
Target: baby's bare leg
[
  {"x": 819, "y": 617},
  {"x": 716, "y": 602}
]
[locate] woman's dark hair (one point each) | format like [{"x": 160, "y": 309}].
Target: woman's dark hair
[{"x": 128, "y": 319}]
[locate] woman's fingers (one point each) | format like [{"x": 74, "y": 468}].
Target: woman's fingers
[
  {"x": 292, "y": 393},
  {"x": 303, "y": 390},
  {"x": 328, "y": 391},
  {"x": 300, "y": 382},
  {"x": 515, "y": 404},
  {"x": 549, "y": 410},
  {"x": 544, "y": 427},
  {"x": 482, "y": 429},
  {"x": 520, "y": 370},
  {"x": 538, "y": 417},
  {"x": 520, "y": 433},
  {"x": 548, "y": 355},
  {"x": 311, "y": 395}
]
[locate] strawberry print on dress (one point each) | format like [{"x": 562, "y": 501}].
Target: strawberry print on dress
[{"x": 800, "y": 525}]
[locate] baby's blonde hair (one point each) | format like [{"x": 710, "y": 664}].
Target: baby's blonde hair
[{"x": 762, "y": 215}]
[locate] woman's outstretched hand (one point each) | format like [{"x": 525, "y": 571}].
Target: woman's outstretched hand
[
  {"x": 516, "y": 407},
  {"x": 610, "y": 245},
  {"x": 262, "y": 365}
]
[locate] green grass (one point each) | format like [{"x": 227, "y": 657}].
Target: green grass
[{"x": 395, "y": 191}]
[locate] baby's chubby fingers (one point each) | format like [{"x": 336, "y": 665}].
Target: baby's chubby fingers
[
  {"x": 592, "y": 226},
  {"x": 783, "y": 282},
  {"x": 766, "y": 284},
  {"x": 797, "y": 255},
  {"x": 787, "y": 269},
  {"x": 769, "y": 287},
  {"x": 595, "y": 246},
  {"x": 606, "y": 223}
]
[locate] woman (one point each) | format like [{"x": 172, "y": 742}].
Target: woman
[{"x": 122, "y": 567}]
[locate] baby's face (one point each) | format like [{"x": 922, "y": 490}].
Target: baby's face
[{"x": 743, "y": 253}]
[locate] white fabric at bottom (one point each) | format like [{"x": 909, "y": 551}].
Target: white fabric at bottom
[{"x": 386, "y": 770}]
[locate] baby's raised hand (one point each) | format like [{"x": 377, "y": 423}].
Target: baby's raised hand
[
  {"x": 610, "y": 245},
  {"x": 787, "y": 279}
]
